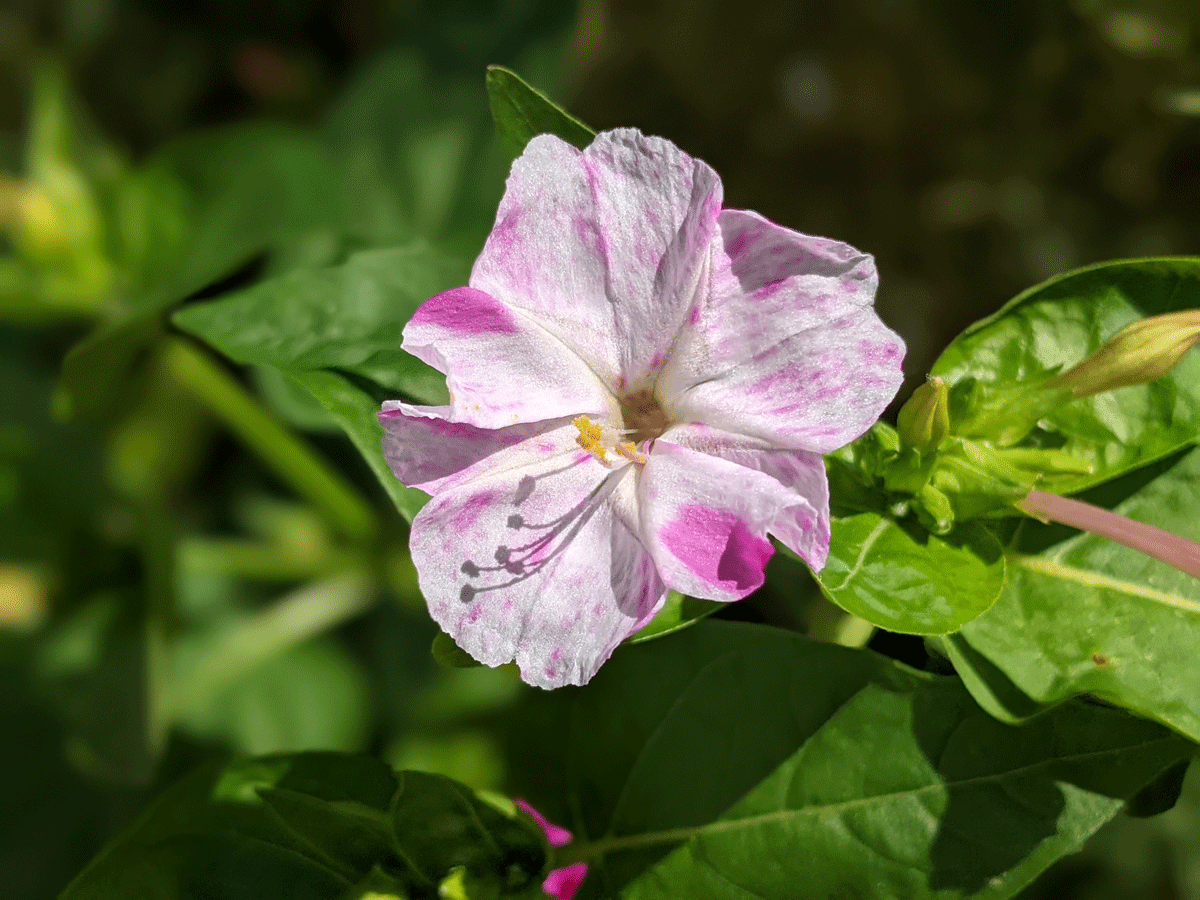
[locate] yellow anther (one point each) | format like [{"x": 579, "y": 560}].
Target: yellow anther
[
  {"x": 590, "y": 435},
  {"x": 599, "y": 440},
  {"x": 629, "y": 450}
]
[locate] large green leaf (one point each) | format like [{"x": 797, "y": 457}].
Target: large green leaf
[
  {"x": 918, "y": 793},
  {"x": 1057, "y": 324},
  {"x": 1090, "y": 616},
  {"x": 521, "y": 112},
  {"x": 313, "y": 827},
  {"x": 908, "y": 580},
  {"x": 664, "y": 750},
  {"x": 336, "y": 333},
  {"x": 346, "y": 318}
]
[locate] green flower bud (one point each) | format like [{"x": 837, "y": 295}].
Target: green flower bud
[
  {"x": 1139, "y": 353},
  {"x": 924, "y": 421}
]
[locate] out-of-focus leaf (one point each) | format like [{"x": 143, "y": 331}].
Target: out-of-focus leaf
[
  {"x": 414, "y": 151},
  {"x": 246, "y": 190},
  {"x": 1059, "y": 323},
  {"x": 315, "y": 826},
  {"x": 1089, "y": 616},
  {"x": 95, "y": 666},
  {"x": 895, "y": 781},
  {"x": 521, "y": 112},
  {"x": 448, "y": 654},
  {"x": 312, "y": 696},
  {"x": 907, "y": 580},
  {"x": 96, "y": 370},
  {"x": 50, "y": 811}
]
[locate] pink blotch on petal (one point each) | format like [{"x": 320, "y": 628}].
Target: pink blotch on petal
[
  {"x": 473, "y": 509},
  {"x": 480, "y": 313},
  {"x": 718, "y": 547}
]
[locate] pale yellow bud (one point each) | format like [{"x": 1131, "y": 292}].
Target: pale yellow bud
[
  {"x": 1139, "y": 353},
  {"x": 924, "y": 421}
]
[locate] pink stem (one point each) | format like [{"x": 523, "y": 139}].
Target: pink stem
[{"x": 1172, "y": 549}]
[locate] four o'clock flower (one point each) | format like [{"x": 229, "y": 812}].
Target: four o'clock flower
[{"x": 642, "y": 384}]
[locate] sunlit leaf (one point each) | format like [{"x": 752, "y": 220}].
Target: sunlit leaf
[
  {"x": 521, "y": 112},
  {"x": 908, "y": 580}
]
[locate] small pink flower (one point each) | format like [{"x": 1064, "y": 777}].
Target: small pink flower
[
  {"x": 641, "y": 385},
  {"x": 561, "y": 884}
]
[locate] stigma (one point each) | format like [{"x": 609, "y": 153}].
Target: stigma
[{"x": 601, "y": 440}]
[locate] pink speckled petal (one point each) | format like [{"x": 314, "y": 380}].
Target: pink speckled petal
[
  {"x": 608, "y": 247},
  {"x": 563, "y": 884},
  {"x": 526, "y": 560},
  {"x": 787, "y": 347},
  {"x": 427, "y": 450},
  {"x": 801, "y": 491},
  {"x": 502, "y": 368},
  {"x": 705, "y": 520}
]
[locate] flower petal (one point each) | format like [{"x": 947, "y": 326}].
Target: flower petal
[
  {"x": 501, "y": 366},
  {"x": 427, "y": 450},
  {"x": 526, "y": 560},
  {"x": 605, "y": 246},
  {"x": 705, "y": 520},
  {"x": 787, "y": 347},
  {"x": 802, "y": 490}
]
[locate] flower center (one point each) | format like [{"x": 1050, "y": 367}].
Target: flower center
[
  {"x": 643, "y": 417},
  {"x": 642, "y": 420}
]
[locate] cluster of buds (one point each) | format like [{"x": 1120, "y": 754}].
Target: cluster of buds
[{"x": 944, "y": 471}]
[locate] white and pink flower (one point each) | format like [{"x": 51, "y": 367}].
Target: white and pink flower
[{"x": 641, "y": 385}]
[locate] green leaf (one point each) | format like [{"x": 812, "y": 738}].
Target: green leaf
[
  {"x": 312, "y": 696},
  {"x": 449, "y": 655},
  {"x": 96, "y": 370},
  {"x": 355, "y": 410},
  {"x": 521, "y": 112},
  {"x": 1089, "y": 616},
  {"x": 1059, "y": 323},
  {"x": 314, "y": 826},
  {"x": 347, "y": 318},
  {"x": 245, "y": 190},
  {"x": 918, "y": 793},
  {"x": 336, "y": 333},
  {"x": 678, "y": 612},
  {"x": 898, "y": 576},
  {"x": 849, "y": 774},
  {"x": 415, "y": 154}
]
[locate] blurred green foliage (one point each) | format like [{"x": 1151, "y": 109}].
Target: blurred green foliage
[{"x": 167, "y": 596}]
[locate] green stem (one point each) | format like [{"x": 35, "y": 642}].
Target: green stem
[
  {"x": 158, "y": 553},
  {"x": 290, "y": 458},
  {"x": 264, "y": 562},
  {"x": 300, "y": 615}
]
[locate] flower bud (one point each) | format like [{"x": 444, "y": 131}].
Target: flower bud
[
  {"x": 924, "y": 421},
  {"x": 1139, "y": 353}
]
